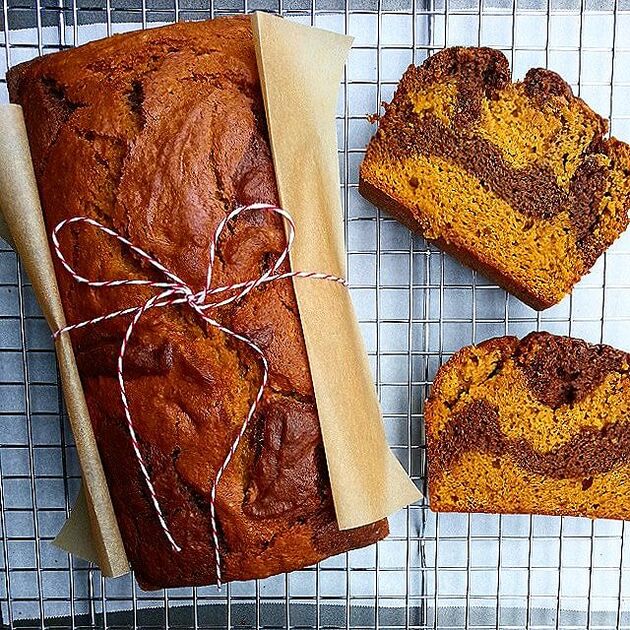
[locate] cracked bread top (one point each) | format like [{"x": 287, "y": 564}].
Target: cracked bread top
[{"x": 158, "y": 134}]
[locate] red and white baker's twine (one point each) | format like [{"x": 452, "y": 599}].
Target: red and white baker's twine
[{"x": 176, "y": 291}]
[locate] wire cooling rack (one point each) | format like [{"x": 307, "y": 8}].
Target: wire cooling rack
[{"x": 416, "y": 307}]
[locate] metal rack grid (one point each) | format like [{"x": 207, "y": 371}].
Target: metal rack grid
[{"x": 416, "y": 307}]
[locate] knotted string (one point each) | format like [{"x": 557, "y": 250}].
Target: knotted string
[{"x": 174, "y": 291}]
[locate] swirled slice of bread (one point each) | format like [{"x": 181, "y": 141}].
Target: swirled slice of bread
[
  {"x": 540, "y": 425},
  {"x": 514, "y": 179}
]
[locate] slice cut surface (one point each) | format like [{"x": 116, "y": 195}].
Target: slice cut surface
[
  {"x": 540, "y": 425},
  {"x": 514, "y": 179}
]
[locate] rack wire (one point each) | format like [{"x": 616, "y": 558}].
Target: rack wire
[{"x": 416, "y": 307}]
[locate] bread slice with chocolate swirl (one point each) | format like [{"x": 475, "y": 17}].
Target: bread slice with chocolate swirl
[
  {"x": 514, "y": 179},
  {"x": 540, "y": 425}
]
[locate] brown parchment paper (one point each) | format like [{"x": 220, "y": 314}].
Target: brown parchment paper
[
  {"x": 300, "y": 69},
  {"x": 92, "y": 531}
]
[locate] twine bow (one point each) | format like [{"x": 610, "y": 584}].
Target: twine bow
[{"x": 176, "y": 291}]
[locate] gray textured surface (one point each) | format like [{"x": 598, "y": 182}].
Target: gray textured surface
[{"x": 416, "y": 307}]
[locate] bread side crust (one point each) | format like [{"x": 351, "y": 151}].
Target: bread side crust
[{"x": 467, "y": 257}]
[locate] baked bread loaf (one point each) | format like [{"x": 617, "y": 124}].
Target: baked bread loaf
[
  {"x": 513, "y": 179},
  {"x": 159, "y": 134},
  {"x": 539, "y": 426}
]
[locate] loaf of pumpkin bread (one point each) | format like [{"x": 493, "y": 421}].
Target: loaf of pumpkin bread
[
  {"x": 514, "y": 179},
  {"x": 540, "y": 425},
  {"x": 159, "y": 134}
]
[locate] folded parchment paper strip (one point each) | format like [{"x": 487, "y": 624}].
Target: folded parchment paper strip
[
  {"x": 91, "y": 533},
  {"x": 300, "y": 69}
]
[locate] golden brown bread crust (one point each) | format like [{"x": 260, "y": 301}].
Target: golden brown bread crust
[
  {"x": 538, "y": 425},
  {"x": 514, "y": 179},
  {"x": 159, "y": 134}
]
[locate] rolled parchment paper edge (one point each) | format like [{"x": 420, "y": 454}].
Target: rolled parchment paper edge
[
  {"x": 22, "y": 214},
  {"x": 300, "y": 69}
]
